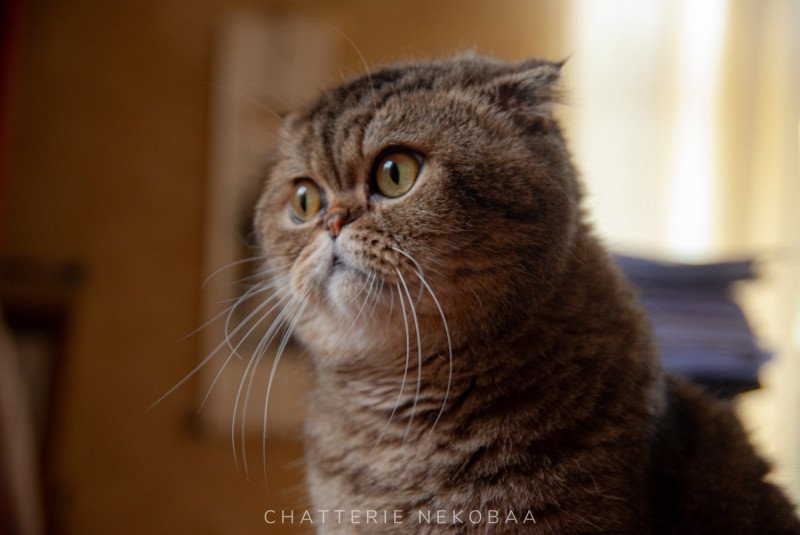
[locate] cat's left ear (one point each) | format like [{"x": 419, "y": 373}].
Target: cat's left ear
[{"x": 530, "y": 90}]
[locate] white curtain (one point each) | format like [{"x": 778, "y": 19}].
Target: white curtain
[{"x": 685, "y": 117}]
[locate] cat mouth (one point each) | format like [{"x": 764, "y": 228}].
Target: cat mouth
[
  {"x": 336, "y": 263},
  {"x": 340, "y": 266},
  {"x": 340, "y": 262},
  {"x": 345, "y": 282}
]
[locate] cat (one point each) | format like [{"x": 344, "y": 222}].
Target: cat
[{"x": 480, "y": 364}]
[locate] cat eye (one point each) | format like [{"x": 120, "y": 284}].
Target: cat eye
[
  {"x": 396, "y": 172},
  {"x": 306, "y": 200}
]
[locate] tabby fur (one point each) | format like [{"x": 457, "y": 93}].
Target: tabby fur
[{"x": 543, "y": 393}]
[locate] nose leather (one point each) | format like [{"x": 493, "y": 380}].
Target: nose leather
[{"x": 335, "y": 220}]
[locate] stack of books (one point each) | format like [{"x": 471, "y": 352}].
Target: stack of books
[{"x": 700, "y": 332}]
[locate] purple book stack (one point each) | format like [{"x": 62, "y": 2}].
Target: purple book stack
[{"x": 701, "y": 333}]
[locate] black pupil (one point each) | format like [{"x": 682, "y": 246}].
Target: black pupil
[
  {"x": 302, "y": 194},
  {"x": 394, "y": 171}
]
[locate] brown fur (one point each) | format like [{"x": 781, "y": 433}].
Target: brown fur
[{"x": 557, "y": 403}]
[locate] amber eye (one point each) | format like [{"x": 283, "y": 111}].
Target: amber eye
[
  {"x": 396, "y": 172},
  {"x": 306, "y": 200}
]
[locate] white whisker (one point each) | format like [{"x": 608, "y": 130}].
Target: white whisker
[
  {"x": 405, "y": 370},
  {"x": 236, "y": 301},
  {"x": 446, "y": 330},
  {"x": 363, "y": 62},
  {"x": 250, "y": 98},
  {"x": 228, "y": 336},
  {"x": 250, "y": 370},
  {"x": 287, "y": 335},
  {"x": 376, "y": 301},
  {"x": 202, "y": 363},
  {"x": 242, "y": 340},
  {"x": 360, "y": 290},
  {"x": 419, "y": 354},
  {"x": 230, "y": 265}
]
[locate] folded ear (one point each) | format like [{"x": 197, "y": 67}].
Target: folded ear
[{"x": 529, "y": 91}]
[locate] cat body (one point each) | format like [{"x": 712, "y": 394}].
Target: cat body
[{"x": 480, "y": 363}]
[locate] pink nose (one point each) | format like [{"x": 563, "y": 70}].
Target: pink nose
[{"x": 335, "y": 220}]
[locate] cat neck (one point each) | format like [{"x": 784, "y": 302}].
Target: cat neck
[
  {"x": 531, "y": 404},
  {"x": 589, "y": 331}
]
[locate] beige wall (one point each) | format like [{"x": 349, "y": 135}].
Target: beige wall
[{"x": 109, "y": 166}]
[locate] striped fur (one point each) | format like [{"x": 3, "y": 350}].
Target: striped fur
[{"x": 553, "y": 402}]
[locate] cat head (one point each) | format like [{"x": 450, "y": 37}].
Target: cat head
[{"x": 419, "y": 194}]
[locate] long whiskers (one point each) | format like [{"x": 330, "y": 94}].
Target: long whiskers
[
  {"x": 286, "y": 337},
  {"x": 208, "y": 357},
  {"x": 247, "y": 377},
  {"x": 243, "y": 339},
  {"x": 235, "y": 303},
  {"x": 230, "y": 265},
  {"x": 446, "y": 330},
  {"x": 245, "y": 296},
  {"x": 376, "y": 300},
  {"x": 419, "y": 354},
  {"x": 405, "y": 369},
  {"x": 363, "y": 62}
]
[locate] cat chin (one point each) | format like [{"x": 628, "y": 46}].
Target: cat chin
[
  {"x": 336, "y": 338},
  {"x": 348, "y": 289}
]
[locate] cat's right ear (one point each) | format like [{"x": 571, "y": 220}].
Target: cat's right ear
[
  {"x": 530, "y": 91},
  {"x": 532, "y": 83}
]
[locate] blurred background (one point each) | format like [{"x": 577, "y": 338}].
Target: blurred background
[{"x": 133, "y": 134}]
